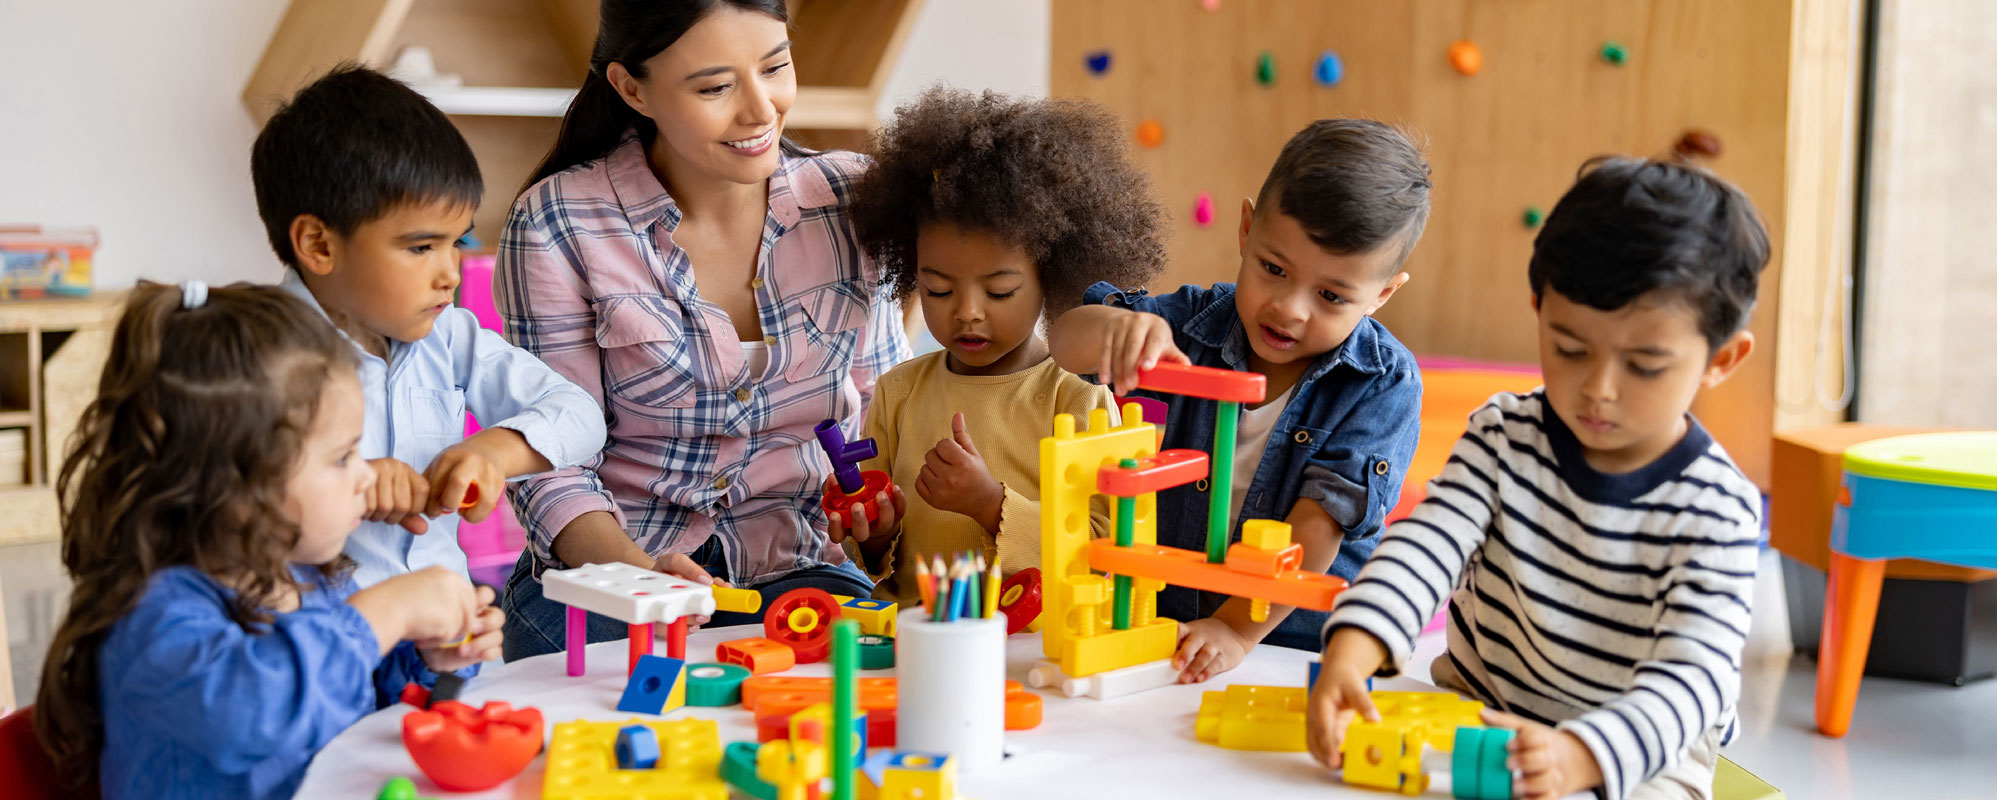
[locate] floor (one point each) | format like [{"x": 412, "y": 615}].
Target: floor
[{"x": 1908, "y": 740}]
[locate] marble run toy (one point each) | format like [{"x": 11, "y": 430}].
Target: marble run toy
[
  {"x": 582, "y": 762},
  {"x": 1102, "y": 636},
  {"x": 857, "y": 489},
  {"x": 468, "y": 750},
  {"x": 637, "y": 597}
]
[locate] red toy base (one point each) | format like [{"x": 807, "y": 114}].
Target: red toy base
[
  {"x": 802, "y": 619},
  {"x": 875, "y": 486},
  {"x": 467, "y": 750}
]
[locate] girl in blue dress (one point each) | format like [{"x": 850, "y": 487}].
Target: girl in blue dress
[{"x": 215, "y": 641}]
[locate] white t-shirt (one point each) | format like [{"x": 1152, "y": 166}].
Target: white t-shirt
[
  {"x": 1251, "y": 437},
  {"x": 758, "y": 356}
]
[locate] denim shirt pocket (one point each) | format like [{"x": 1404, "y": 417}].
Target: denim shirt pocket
[
  {"x": 437, "y": 416},
  {"x": 1350, "y": 483},
  {"x": 645, "y": 357},
  {"x": 833, "y": 318}
]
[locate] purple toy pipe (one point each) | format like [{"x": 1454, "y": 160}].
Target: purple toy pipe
[{"x": 846, "y": 456}]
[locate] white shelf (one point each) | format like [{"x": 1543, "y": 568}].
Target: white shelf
[{"x": 816, "y": 106}]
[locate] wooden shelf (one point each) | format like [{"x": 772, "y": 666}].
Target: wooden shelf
[
  {"x": 16, "y": 419},
  {"x": 828, "y": 107}
]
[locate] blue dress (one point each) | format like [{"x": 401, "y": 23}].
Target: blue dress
[{"x": 196, "y": 707}]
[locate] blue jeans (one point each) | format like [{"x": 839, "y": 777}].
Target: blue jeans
[{"x": 536, "y": 625}]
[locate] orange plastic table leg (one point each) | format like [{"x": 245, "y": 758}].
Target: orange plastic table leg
[{"x": 1851, "y": 603}]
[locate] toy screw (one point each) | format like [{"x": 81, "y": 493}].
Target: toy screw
[{"x": 846, "y": 456}]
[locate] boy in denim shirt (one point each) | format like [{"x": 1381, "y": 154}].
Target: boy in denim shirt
[
  {"x": 1322, "y": 246},
  {"x": 367, "y": 193}
]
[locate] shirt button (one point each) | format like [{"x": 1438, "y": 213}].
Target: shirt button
[
  {"x": 756, "y": 284},
  {"x": 770, "y": 340},
  {"x": 1303, "y": 437},
  {"x": 721, "y": 483},
  {"x": 1380, "y": 468},
  {"x": 742, "y": 395}
]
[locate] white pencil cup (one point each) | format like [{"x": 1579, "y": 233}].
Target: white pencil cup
[{"x": 951, "y": 693}]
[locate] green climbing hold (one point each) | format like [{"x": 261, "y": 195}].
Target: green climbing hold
[
  {"x": 1614, "y": 53},
  {"x": 1265, "y": 68},
  {"x": 1532, "y": 217}
]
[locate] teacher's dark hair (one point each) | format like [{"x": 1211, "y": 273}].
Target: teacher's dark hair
[{"x": 630, "y": 32}]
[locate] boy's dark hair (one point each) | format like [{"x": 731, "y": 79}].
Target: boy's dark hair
[
  {"x": 1355, "y": 185},
  {"x": 351, "y": 147},
  {"x": 1049, "y": 176},
  {"x": 1634, "y": 227}
]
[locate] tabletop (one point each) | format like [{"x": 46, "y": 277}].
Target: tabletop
[{"x": 1141, "y": 744}]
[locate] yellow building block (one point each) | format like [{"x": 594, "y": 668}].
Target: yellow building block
[
  {"x": 1253, "y": 718},
  {"x": 1265, "y": 534},
  {"x": 908, "y": 776},
  {"x": 791, "y": 765},
  {"x": 875, "y": 616},
  {"x": 1374, "y": 756},
  {"x": 1113, "y": 649},
  {"x": 1387, "y": 754},
  {"x": 1075, "y": 604},
  {"x": 582, "y": 762}
]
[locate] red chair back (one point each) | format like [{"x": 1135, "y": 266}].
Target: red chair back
[{"x": 25, "y": 770}]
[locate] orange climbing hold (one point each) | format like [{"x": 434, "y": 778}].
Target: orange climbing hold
[
  {"x": 1466, "y": 57},
  {"x": 1150, "y": 133}
]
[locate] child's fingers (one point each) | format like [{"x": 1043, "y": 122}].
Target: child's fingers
[
  {"x": 862, "y": 529},
  {"x": 1544, "y": 785},
  {"x": 1360, "y": 701},
  {"x": 834, "y": 529},
  {"x": 486, "y": 596},
  {"x": 961, "y": 434},
  {"x": 679, "y": 564},
  {"x": 448, "y": 493},
  {"x": 413, "y": 523},
  {"x": 1500, "y": 719},
  {"x": 1530, "y": 760}
]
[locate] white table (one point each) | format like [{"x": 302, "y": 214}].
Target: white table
[{"x": 1141, "y": 745}]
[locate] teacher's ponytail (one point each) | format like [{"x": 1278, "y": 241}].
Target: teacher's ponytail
[{"x": 628, "y": 32}]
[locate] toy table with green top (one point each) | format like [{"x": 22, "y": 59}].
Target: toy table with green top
[{"x": 1929, "y": 496}]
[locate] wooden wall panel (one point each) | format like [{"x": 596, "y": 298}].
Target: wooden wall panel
[{"x": 1505, "y": 139}]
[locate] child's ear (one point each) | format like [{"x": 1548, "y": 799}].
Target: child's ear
[
  {"x": 1727, "y": 358},
  {"x": 1394, "y": 284},
  {"x": 1247, "y": 218},
  {"x": 312, "y": 244},
  {"x": 626, "y": 86}
]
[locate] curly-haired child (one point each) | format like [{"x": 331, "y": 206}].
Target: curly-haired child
[
  {"x": 216, "y": 640},
  {"x": 1000, "y": 212}
]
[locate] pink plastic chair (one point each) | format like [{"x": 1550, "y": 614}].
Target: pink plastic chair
[{"x": 493, "y": 545}]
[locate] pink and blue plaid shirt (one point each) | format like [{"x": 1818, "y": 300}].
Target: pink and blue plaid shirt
[{"x": 588, "y": 278}]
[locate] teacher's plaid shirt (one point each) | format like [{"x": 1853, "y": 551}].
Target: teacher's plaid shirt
[{"x": 589, "y": 280}]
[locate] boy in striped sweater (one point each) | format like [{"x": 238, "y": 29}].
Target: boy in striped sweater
[{"x": 1599, "y": 544}]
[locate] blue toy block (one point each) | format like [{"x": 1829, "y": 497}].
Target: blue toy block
[
  {"x": 637, "y": 747},
  {"x": 654, "y": 685}
]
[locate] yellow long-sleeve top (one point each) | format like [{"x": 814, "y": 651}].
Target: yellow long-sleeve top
[{"x": 1006, "y": 416}]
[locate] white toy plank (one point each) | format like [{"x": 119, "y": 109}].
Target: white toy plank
[{"x": 627, "y": 594}]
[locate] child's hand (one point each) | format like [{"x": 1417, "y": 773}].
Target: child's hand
[
  {"x": 432, "y": 604},
  {"x": 1550, "y": 764},
  {"x": 398, "y": 495},
  {"x": 452, "y": 475},
  {"x": 954, "y": 478},
  {"x": 1208, "y": 647},
  {"x": 680, "y": 566},
  {"x": 1134, "y": 342},
  {"x": 873, "y": 536},
  {"x": 1350, "y": 656},
  {"x": 480, "y": 646}
]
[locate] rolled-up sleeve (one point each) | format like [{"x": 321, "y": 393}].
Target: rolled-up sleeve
[
  {"x": 547, "y": 306},
  {"x": 1357, "y": 476}
]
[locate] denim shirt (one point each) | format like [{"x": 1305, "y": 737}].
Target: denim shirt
[
  {"x": 416, "y": 403},
  {"x": 1344, "y": 440}
]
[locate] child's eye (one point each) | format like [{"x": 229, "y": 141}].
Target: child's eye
[
  {"x": 1331, "y": 297},
  {"x": 463, "y": 242},
  {"x": 1272, "y": 269},
  {"x": 998, "y": 296},
  {"x": 1565, "y": 353},
  {"x": 422, "y": 249},
  {"x": 715, "y": 91},
  {"x": 934, "y": 293},
  {"x": 776, "y": 69},
  {"x": 1646, "y": 373}
]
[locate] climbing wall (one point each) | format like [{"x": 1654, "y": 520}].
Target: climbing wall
[{"x": 1536, "y": 87}]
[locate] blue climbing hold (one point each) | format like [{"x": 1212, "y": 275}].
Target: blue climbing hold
[
  {"x": 1098, "y": 62},
  {"x": 1329, "y": 70}
]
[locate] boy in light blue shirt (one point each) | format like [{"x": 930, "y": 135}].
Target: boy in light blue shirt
[{"x": 367, "y": 193}]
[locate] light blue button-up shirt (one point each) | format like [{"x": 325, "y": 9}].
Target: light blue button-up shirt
[{"x": 416, "y": 404}]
